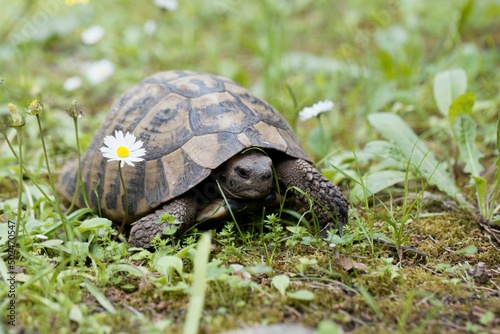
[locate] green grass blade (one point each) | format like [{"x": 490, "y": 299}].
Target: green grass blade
[
  {"x": 370, "y": 301},
  {"x": 405, "y": 314},
  {"x": 497, "y": 183},
  {"x": 498, "y": 138},
  {"x": 101, "y": 298},
  {"x": 191, "y": 326}
]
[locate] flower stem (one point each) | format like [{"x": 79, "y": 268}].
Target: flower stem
[
  {"x": 80, "y": 186},
  {"x": 67, "y": 228},
  {"x": 324, "y": 143},
  {"x": 122, "y": 181},
  {"x": 20, "y": 180},
  {"x": 27, "y": 172}
]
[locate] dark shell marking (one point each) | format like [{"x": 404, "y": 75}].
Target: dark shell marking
[{"x": 190, "y": 124}]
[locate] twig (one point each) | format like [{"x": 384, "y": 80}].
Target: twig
[{"x": 404, "y": 248}]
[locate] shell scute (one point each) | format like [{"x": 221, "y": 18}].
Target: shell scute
[
  {"x": 155, "y": 182},
  {"x": 190, "y": 123},
  {"x": 219, "y": 113}
]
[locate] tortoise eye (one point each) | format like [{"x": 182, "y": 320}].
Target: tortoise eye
[{"x": 242, "y": 173}]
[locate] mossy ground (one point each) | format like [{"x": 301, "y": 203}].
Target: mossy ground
[{"x": 411, "y": 295}]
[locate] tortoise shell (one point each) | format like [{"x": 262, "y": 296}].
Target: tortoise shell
[{"x": 190, "y": 124}]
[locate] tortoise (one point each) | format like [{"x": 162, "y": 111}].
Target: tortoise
[{"x": 205, "y": 136}]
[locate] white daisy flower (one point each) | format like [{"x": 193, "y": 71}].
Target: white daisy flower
[
  {"x": 72, "y": 83},
  {"x": 315, "y": 110},
  {"x": 92, "y": 35},
  {"x": 99, "y": 71},
  {"x": 170, "y": 5},
  {"x": 150, "y": 27},
  {"x": 123, "y": 148}
]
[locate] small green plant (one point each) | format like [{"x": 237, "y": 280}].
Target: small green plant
[
  {"x": 457, "y": 106},
  {"x": 405, "y": 157},
  {"x": 227, "y": 235},
  {"x": 17, "y": 121},
  {"x": 405, "y": 151},
  {"x": 282, "y": 282},
  {"x": 34, "y": 109},
  {"x": 299, "y": 235},
  {"x": 304, "y": 264},
  {"x": 399, "y": 165},
  {"x": 273, "y": 237},
  {"x": 172, "y": 226},
  {"x": 454, "y": 273},
  {"x": 387, "y": 269}
]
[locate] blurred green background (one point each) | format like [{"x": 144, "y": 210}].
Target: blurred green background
[{"x": 364, "y": 56}]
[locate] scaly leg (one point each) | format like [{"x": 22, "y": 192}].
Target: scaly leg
[
  {"x": 183, "y": 209},
  {"x": 330, "y": 205}
]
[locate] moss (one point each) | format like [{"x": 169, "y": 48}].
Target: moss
[{"x": 442, "y": 236}]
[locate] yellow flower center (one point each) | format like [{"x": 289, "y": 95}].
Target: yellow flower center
[{"x": 122, "y": 151}]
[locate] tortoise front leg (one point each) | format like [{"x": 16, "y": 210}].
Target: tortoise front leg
[
  {"x": 183, "y": 209},
  {"x": 329, "y": 202}
]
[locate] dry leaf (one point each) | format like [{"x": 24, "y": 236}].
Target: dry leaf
[{"x": 349, "y": 264}]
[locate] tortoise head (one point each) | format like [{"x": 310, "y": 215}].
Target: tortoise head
[{"x": 247, "y": 175}]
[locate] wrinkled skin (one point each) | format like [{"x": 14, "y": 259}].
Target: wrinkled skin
[{"x": 246, "y": 176}]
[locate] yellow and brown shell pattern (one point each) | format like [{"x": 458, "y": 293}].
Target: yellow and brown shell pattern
[{"x": 190, "y": 124}]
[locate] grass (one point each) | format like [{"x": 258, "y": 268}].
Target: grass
[{"x": 429, "y": 184}]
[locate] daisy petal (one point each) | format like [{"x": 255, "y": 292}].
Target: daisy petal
[
  {"x": 119, "y": 136},
  {"x": 316, "y": 109},
  {"x": 135, "y": 159},
  {"x": 112, "y": 145},
  {"x": 135, "y": 146},
  {"x": 110, "y": 141}
]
